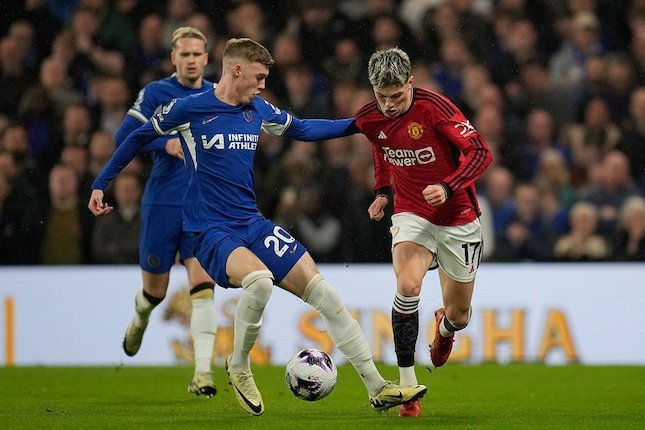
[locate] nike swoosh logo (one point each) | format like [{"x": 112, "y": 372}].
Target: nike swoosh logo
[
  {"x": 254, "y": 408},
  {"x": 399, "y": 396},
  {"x": 206, "y": 121},
  {"x": 294, "y": 248}
]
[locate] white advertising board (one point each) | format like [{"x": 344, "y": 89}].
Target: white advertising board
[{"x": 552, "y": 313}]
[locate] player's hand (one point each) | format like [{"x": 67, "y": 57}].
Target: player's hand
[
  {"x": 376, "y": 209},
  {"x": 435, "y": 195},
  {"x": 96, "y": 205},
  {"x": 173, "y": 147}
]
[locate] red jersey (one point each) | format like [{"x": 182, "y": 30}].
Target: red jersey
[{"x": 431, "y": 143}]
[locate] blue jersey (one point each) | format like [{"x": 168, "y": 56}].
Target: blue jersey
[
  {"x": 221, "y": 140},
  {"x": 169, "y": 176}
]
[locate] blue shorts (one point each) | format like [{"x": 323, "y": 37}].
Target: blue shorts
[
  {"x": 276, "y": 248},
  {"x": 162, "y": 237}
]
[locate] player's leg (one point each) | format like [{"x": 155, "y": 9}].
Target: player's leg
[
  {"x": 145, "y": 300},
  {"x": 306, "y": 282},
  {"x": 410, "y": 262},
  {"x": 203, "y": 326},
  {"x": 231, "y": 264},
  {"x": 459, "y": 254},
  {"x": 158, "y": 243}
]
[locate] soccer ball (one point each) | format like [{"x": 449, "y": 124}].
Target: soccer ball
[{"x": 311, "y": 374}]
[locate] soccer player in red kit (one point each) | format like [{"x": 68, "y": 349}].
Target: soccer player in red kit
[{"x": 427, "y": 157}]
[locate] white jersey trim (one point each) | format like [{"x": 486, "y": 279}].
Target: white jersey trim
[
  {"x": 138, "y": 115},
  {"x": 275, "y": 128}
]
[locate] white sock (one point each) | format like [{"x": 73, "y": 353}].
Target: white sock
[
  {"x": 407, "y": 376},
  {"x": 142, "y": 308},
  {"x": 257, "y": 287},
  {"x": 344, "y": 331},
  {"x": 203, "y": 328},
  {"x": 447, "y": 329}
]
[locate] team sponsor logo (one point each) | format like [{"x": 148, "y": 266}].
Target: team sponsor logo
[
  {"x": 466, "y": 128},
  {"x": 415, "y": 130},
  {"x": 409, "y": 157},
  {"x": 242, "y": 141}
]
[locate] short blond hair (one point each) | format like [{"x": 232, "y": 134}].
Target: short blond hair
[
  {"x": 249, "y": 50},
  {"x": 191, "y": 32}
]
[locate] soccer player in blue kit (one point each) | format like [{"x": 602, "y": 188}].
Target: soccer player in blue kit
[
  {"x": 236, "y": 245},
  {"x": 161, "y": 235}
]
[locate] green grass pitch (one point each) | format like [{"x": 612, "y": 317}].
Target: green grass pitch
[{"x": 485, "y": 396}]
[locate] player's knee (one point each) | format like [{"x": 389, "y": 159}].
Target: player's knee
[
  {"x": 409, "y": 287},
  {"x": 258, "y": 284},
  {"x": 205, "y": 290}
]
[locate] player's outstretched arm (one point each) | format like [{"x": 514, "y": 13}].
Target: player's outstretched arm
[
  {"x": 320, "y": 129},
  {"x": 121, "y": 157},
  {"x": 131, "y": 123}
]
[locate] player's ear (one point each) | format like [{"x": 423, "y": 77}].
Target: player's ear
[
  {"x": 237, "y": 70},
  {"x": 410, "y": 80}
]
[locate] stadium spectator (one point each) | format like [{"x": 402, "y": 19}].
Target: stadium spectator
[
  {"x": 151, "y": 53},
  {"x": 632, "y": 142},
  {"x": 75, "y": 130},
  {"x": 629, "y": 238},
  {"x": 101, "y": 148},
  {"x": 20, "y": 215},
  {"x": 582, "y": 243},
  {"x": 498, "y": 184},
  {"x": 592, "y": 139},
  {"x": 526, "y": 237},
  {"x": 115, "y": 239},
  {"x": 66, "y": 223},
  {"x": 582, "y": 41},
  {"x": 541, "y": 135},
  {"x": 553, "y": 173},
  {"x": 112, "y": 97},
  {"x": 15, "y": 77},
  {"x": 362, "y": 242},
  {"x": 614, "y": 187}
]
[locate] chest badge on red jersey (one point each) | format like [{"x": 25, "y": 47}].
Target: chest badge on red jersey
[{"x": 415, "y": 130}]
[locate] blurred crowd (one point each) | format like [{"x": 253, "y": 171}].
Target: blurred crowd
[{"x": 556, "y": 87}]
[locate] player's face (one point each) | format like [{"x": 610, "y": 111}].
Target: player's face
[
  {"x": 252, "y": 78},
  {"x": 393, "y": 101},
  {"x": 189, "y": 58}
]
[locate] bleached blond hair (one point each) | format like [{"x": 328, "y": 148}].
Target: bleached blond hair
[{"x": 389, "y": 68}]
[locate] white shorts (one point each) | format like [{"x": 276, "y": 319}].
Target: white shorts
[{"x": 457, "y": 249}]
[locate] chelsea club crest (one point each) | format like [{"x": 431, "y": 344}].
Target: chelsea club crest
[{"x": 248, "y": 115}]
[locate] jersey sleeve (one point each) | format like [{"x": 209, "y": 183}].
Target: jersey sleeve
[
  {"x": 279, "y": 122},
  {"x": 146, "y": 103},
  {"x": 173, "y": 116},
  {"x": 124, "y": 154},
  {"x": 451, "y": 123},
  {"x": 142, "y": 109}
]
